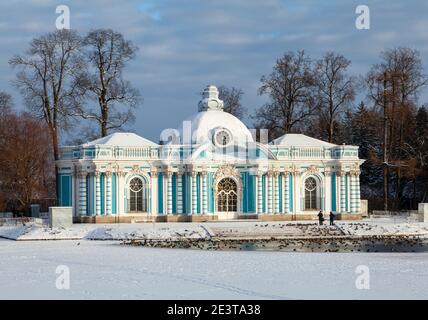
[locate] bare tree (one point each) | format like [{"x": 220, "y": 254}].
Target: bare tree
[
  {"x": 393, "y": 85},
  {"x": 46, "y": 79},
  {"x": 336, "y": 89},
  {"x": 290, "y": 89},
  {"x": 107, "y": 53},
  {"x": 232, "y": 100},
  {"x": 5, "y": 103},
  {"x": 26, "y": 162}
]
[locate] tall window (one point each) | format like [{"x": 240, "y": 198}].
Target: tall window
[
  {"x": 310, "y": 194},
  {"x": 137, "y": 195},
  {"x": 227, "y": 196}
]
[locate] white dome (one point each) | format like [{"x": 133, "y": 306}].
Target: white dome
[
  {"x": 210, "y": 120},
  {"x": 204, "y": 124}
]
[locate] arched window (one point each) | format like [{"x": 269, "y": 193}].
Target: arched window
[
  {"x": 311, "y": 194},
  {"x": 137, "y": 201},
  {"x": 227, "y": 195}
]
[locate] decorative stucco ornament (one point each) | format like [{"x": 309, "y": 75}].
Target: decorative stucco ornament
[{"x": 210, "y": 100}]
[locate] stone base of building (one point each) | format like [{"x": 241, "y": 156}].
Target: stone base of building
[
  {"x": 141, "y": 218},
  {"x": 191, "y": 218},
  {"x": 349, "y": 216},
  {"x": 306, "y": 216}
]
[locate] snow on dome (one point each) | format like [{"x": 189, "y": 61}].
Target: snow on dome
[
  {"x": 211, "y": 119},
  {"x": 300, "y": 140},
  {"x": 121, "y": 139}
]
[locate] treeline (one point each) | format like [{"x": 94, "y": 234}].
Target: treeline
[
  {"x": 65, "y": 77},
  {"x": 389, "y": 124}
]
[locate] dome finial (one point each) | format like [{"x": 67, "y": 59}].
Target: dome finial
[{"x": 210, "y": 100}]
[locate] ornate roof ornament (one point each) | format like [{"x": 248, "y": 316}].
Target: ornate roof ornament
[{"x": 210, "y": 100}]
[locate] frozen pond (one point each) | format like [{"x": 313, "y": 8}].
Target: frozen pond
[{"x": 106, "y": 270}]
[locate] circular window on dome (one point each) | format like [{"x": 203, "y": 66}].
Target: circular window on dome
[{"x": 222, "y": 137}]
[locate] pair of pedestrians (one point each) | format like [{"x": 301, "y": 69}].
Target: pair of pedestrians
[{"x": 321, "y": 218}]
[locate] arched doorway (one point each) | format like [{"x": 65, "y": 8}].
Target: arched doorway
[
  {"x": 227, "y": 195},
  {"x": 138, "y": 195},
  {"x": 312, "y": 197}
]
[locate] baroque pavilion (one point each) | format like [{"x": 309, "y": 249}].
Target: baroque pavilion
[{"x": 210, "y": 168}]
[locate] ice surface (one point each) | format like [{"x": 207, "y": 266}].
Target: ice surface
[{"x": 107, "y": 270}]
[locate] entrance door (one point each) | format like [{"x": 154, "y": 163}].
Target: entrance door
[{"x": 227, "y": 198}]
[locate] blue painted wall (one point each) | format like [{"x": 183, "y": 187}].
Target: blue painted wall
[
  {"x": 244, "y": 191},
  {"x": 184, "y": 193},
  {"x": 88, "y": 194},
  {"x": 92, "y": 195},
  {"x": 102, "y": 184},
  {"x": 65, "y": 190},
  {"x": 113, "y": 194},
  {"x": 160, "y": 193},
  {"x": 210, "y": 192},
  {"x": 198, "y": 194},
  {"x": 174, "y": 193},
  {"x": 290, "y": 187},
  {"x": 280, "y": 183}
]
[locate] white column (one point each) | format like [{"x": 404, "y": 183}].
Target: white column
[
  {"x": 179, "y": 192},
  {"x": 74, "y": 192},
  {"x": 120, "y": 198},
  {"x": 154, "y": 192},
  {"x": 349, "y": 190},
  {"x": 296, "y": 191},
  {"x": 327, "y": 191},
  {"x": 204, "y": 193},
  {"x": 259, "y": 193},
  {"x": 97, "y": 193},
  {"x": 270, "y": 191},
  {"x": 286, "y": 192},
  {"x": 276, "y": 193},
  {"x": 108, "y": 192},
  {"x": 82, "y": 193},
  {"x": 342, "y": 192},
  {"x": 358, "y": 192},
  {"x": 353, "y": 193},
  {"x": 168, "y": 181},
  {"x": 194, "y": 193}
]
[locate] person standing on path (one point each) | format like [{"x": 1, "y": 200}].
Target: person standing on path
[
  {"x": 331, "y": 218},
  {"x": 320, "y": 218}
]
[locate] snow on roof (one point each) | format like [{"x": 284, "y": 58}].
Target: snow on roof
[
  {"x": 300, "y": 140},
  {"x": 121, "y": 139},
  {"x": 203, "y": 123}
]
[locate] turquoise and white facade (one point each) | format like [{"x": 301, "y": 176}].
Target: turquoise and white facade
[{"x": 211, "y": 165}]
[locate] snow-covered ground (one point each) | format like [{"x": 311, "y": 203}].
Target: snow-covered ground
[
  {"x": 105, "y": 232},
  {"x": 106, "y": 270},
  {"x": 206, "y": 229}
]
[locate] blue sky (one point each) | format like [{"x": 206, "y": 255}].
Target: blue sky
[{"x": 186, "y": 44}]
